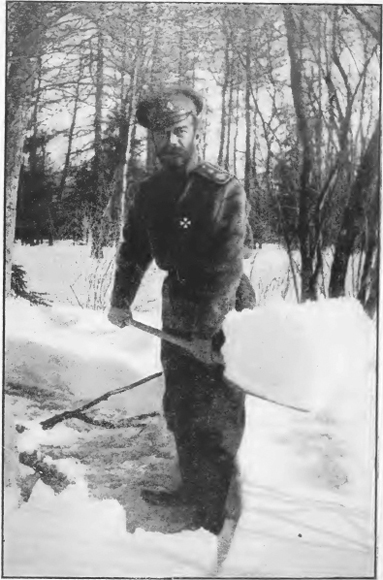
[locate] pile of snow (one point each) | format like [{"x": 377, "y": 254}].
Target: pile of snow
[
  {"x": 79, "y": 354},
  {"x": 73, "y": 534},
  {"x": 64, "y": 348},
  {"x": 319, "y": 357}
]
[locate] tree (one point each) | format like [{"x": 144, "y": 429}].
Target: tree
[
  {"x": 324, "y": 188},
  {"x": 358, "y": 206},
  {"x": 24, "y": 45}
]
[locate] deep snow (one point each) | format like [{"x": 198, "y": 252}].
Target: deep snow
[{"x": 308, "y": 478}]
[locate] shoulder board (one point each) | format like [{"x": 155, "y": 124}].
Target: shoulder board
[{"x": 213, "y": 172}]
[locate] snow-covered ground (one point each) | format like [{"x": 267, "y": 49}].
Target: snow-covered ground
[{"x": 308, "y": 478}]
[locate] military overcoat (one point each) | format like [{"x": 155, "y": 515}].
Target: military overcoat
[{"x": 194, "y": 227}]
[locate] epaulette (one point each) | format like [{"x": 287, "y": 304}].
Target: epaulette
[{"x": 214, "y": 173}]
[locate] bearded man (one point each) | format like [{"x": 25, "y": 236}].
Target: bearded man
[{"x": 190, "y": 217}]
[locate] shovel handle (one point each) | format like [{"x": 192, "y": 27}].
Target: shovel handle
[
  {"x": 178, "y": 341},
  {"x": 162, "y": 334}
]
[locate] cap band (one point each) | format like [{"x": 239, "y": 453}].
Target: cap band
[{"x": 168, "y": 108}]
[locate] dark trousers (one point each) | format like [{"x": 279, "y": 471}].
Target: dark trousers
[{"x": 207, "y": 419}]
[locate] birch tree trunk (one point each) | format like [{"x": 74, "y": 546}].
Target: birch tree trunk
[{"x": 21, "y": 77}]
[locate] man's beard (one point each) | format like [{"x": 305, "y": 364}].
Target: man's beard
[{"x": 175, "y": 156}]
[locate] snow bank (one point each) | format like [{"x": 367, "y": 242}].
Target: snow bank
[
  {"x": 71, "y": 351},
  {"x": 320, "y": 357},
  {"x": 75, "y": 355},
  {"x": 74, "y": 535},
  {"x": 308, "y": 478}
]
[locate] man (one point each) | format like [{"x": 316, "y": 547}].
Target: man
[{"x": 191, "y": 218}]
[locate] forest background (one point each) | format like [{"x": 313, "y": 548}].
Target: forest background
[{"x": 292, "y": 107}]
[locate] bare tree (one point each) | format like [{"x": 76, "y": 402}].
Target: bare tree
[
  {"x": 354, "y": 215},
  {"x": 24, "y": 47}
]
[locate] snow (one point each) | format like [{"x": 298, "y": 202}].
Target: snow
[{"x": 308, "y": 478}]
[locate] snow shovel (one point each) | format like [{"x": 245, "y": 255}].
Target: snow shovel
[{"x": 212, "y": 358}]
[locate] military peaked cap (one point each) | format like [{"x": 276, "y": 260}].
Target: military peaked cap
[{"x": 168, "y": 107}]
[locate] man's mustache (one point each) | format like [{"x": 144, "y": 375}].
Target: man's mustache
[{"x": 172, "y": 151}]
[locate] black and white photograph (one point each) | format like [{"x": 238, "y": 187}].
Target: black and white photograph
[{"x": 191, "y": 290}]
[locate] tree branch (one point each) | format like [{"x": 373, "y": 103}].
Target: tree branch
[{"x": 361, "y": 19}]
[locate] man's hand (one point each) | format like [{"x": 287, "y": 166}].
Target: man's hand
[{"x": 120, "y": 317}]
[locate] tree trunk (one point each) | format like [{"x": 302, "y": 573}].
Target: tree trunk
[
  {"x": 34, "y": 140},
  {"x": 156, "y": 69},
  {"x": 98, "y": 167},
  {"x": 229, "y": 113},
  {"x": 134, "y": 95},
  {"x": 365, "y": 280},
  {"x": 223, "y": 109},
  {"x": 181, "y": 57},
  {"x": 353, "y": 215},
  {"x": 372, "y": 300},
  {"x": 302, "y": 112},
  {"x": 113, "y": 211},
  {"x": 248, "y": 116},
  {"x": 236, "y": 133},
  {"x": 21, "y": 77},
  {"x": 71, "y": 132}
]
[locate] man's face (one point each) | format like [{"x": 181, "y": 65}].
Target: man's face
[{"x": 175, "y": 145}]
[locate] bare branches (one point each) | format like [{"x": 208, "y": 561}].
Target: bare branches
[
  {"x": 318, "y": 129},
  {"x": 374, "y": 33}
]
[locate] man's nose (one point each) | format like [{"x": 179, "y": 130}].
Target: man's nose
[{"x": 173, "y": 139}]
